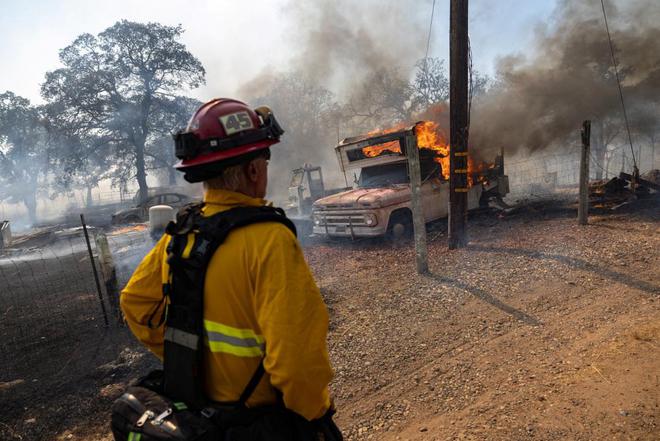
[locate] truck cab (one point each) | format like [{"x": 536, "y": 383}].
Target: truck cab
[{"x": 380, "y": 202}]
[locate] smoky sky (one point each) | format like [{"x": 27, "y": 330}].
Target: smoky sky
[
  {"x": 338, "y": 44},
  {"x": 540, "y": 100}
]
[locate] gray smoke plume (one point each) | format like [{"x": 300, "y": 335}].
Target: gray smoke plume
[
  {"x": 339, "y": 46},
  {"x": 340, "y": 42},
  {"x": 541, "y": 100}
]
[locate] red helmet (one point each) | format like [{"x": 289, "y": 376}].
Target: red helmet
[{"x": 222, "y": 131}]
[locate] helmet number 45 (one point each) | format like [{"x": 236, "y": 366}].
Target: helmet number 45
[{"x": 236, "y": 122}]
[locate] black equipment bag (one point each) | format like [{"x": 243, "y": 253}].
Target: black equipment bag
[
  {"x": 143, "y": 414},
  {"x": 170, "y": 405}
]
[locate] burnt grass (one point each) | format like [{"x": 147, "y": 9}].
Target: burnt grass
[
  {"x": 539, "y": 329},
  {"x": 57, "y": 352}
]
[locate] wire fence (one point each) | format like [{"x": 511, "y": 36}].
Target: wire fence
[
  {"x": 48, "y": 298},
  {"x": 542, "y": 175},
  {"x": 52, "y": 313}
]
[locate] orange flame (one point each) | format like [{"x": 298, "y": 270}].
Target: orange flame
[
  {"x": 429, "y": 136},
  {"x": 377, "y": 150}
]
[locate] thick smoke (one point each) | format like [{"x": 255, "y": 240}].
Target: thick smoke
[
  {"x": 541, "y": 100},
  {"x": 338, "y": 48},
  {"x": 339, "y": 44}
]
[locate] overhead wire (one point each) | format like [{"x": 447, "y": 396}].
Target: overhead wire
[
  {"x": 618, "y": 82},
  {"x": 428, "y": 39}
]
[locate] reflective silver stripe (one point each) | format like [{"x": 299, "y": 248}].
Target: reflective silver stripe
[
  {"x": 182, "y": 338},
  {"x": 235, "y": 341}
]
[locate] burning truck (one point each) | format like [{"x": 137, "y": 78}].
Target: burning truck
[{"x": 380, "y": 202}]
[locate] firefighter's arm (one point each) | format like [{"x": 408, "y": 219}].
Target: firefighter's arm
[
  {"x": 294, "y": 322},
  {"x": 142, "y": 299}
]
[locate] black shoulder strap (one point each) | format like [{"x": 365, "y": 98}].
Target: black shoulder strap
[
  {"x": 195, "y": 239},
  {"x": 252, "y": 384}
]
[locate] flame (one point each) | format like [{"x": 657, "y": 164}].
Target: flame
[
  {"x": 377, "y": 150},
  {"x": 429, "y": 136}
]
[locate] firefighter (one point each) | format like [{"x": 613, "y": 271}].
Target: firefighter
[{"x": 260, "y": 301}]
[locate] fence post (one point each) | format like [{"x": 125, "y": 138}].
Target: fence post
[
  {"x": 419, "y": 223},
  {"x": 96, "y": 274},
  {"x": 583, "y": 204},
  {"x": 109, "y": 272}
]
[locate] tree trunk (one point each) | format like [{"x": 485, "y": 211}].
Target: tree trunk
[
  {"x": 141, "y": 173},
  {"x": 171, "y": 173},
  {"x": 30, "y": 201},
  {"x": 89, "y": 201}
]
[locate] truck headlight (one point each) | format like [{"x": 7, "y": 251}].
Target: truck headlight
[
  {"x": 317, "y": 220},
  {"x": 370, "y": 220}
]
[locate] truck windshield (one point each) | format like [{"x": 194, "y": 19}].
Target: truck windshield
[{"x": 384, "y": 175}]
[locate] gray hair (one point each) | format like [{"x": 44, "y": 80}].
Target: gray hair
[{"x": 231, "y": 179}]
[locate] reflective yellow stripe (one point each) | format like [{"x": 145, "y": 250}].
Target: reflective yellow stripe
[
  {"x": 461, "y": 154},
  {"x": 180, "y": 405},
  {"x": 461, "y": 170},
  {"x": 239, "y": 351},
  {"x": 240, "y": 342},
  {"x": 461, "y": 190},
  {"x": 190, "y": 241},
  {"x": 231, "y": 331}
]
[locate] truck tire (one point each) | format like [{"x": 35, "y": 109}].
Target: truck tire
[{"x": 400, "y": 226}]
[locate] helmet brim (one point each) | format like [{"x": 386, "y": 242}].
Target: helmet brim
[{"x": 224, "y": 155}]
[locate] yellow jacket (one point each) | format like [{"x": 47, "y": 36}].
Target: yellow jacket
[{"x": 259, "y": 295}]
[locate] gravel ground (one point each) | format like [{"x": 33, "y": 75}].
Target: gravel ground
[{"x": 539, "y": 329}]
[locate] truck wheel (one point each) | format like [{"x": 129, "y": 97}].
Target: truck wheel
[{"x": 400, "y": 227}]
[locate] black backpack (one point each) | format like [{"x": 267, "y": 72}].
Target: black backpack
[{"x": 170, "y": 404}]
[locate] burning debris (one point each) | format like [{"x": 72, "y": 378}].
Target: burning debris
[{"x": 620, "y": 190}]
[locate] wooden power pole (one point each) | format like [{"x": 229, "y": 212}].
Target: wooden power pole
[
  {"x": 458, "y": 102},
  {"x": 583, "y": 204}
]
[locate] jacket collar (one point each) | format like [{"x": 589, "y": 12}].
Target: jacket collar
[{"x": 229, "y": 199}]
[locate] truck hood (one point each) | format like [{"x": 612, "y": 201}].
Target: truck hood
[{"x": 365, "y": 197}]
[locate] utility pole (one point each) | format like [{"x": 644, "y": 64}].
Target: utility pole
[
  {"x": 458, "y": 102},
  {"x": 583, "y": 204}
]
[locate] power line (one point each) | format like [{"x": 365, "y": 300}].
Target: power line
[
  {"x": 618, "y": 82},
  {"x": 428, "y": 39}
]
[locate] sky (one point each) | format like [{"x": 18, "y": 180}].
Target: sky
[{"x": 235, "y": 41}]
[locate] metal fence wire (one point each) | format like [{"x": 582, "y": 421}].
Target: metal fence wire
[
  {"x": 48, "y": 300},
  {"x": 51, "y": 315}
]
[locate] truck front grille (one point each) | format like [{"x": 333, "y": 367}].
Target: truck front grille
[{"x": 357, "y": 220}]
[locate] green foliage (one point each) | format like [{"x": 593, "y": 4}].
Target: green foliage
[
  {"x": 24, "y": 155},
  {"x": 116, "y": 90}
]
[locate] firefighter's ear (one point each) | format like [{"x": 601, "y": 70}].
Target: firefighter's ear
[{"x": 252, "y": 170}]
